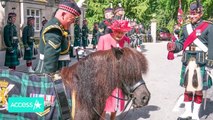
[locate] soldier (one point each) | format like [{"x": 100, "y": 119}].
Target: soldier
[
  {"x": 119, "y": 12},
  {"x": 11, "y": 42},
  {"x": 77, "y": 33},
  {"x": 103, "y": 26},
  {"x": 195, "y": 41},
  {"x": 85, "y": 32},
  {"x": 43, "y": 23},
  {"x": 28, "y": 41},
  {"x": 94, "y": 35},
  {"x": 54, "y": 44}
]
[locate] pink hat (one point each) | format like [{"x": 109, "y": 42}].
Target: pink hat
[{"x": 120, "y": 25}]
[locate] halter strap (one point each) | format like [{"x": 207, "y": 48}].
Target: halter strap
[{"x": 138, "y": 84}]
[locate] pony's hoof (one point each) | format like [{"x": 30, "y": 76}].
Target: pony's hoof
[{"x": 188, "y": 118}]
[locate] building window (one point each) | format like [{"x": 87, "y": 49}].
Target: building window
[{"x": 35, "y": 13}]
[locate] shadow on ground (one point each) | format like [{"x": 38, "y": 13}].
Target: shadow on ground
[
  {"x": 135, "y": 114},
  {"x": 205, "y": 114}
]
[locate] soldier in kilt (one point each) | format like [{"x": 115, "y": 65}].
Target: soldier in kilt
[
  {"x": 77, "y": 33},
  {"x": 85, "y": 32},
  {"x": 11, "y": 42},
  {"x": 28, "y": 41},
  {"x": 54, "y": 45},
  {"x": 94, "y": 35},
  {"x": 196, "y": 42}
]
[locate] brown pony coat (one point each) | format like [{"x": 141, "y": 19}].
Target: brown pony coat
[{"x": 95, "y": 76}]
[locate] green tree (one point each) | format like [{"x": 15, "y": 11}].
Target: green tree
[{"x": 165, "y": 11}]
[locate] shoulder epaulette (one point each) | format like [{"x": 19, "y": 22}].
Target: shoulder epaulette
[{"x": 49, "y": 28}]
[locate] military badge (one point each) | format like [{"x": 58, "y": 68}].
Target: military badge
[
  {"x": 198, "y": 32},
  {"x": 5, "y": 88},
  {"x": 48, "y": 102}
]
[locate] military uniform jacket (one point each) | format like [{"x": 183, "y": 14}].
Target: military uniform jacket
[
  {"x": 94, "y": 36},
  {"x": 77, "y": 35},
  {"x": 85, "y": 32},
  {"x": 11, "y": 42},
  {"x": 28, "y": 41},
  {"x": 103, "y": 28},
  {"x": 206, "y": 37},
  {"x": 53, "y": 47}
]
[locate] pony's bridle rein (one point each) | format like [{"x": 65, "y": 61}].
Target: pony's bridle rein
[{"x": 129, "y": 92}]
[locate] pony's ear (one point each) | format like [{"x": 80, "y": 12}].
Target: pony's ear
[{"x": 117, "y": 52}]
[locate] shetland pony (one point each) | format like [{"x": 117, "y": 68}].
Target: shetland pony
[
  {"x": 90, "y": 82},
  {"x": 95, "y": 77}
]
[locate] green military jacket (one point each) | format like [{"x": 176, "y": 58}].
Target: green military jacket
[
  {"x": 53, "y": 44},
  {"x": 77, "y": 35},
  {"x": 28, "y": 41},
  {"x": 94, "y": 36},
  {"x": 11, "y": 42},
  {"x": 206, "y": 38},
  {"x": 85, "y": 32}
]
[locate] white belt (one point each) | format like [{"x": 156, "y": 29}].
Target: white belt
[
  {"x": 15, "y": 38},
  {"x": 61, "y": 57},
  {"x": 196, "y": 41},
  {"x": 31, "y": 37},
  {"x": 196, "y": 49}
]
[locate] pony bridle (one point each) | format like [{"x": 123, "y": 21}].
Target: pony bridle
[{"x": 130, "y": 90}]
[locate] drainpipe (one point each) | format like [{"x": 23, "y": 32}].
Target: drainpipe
[{"x": 22, "y": 15}]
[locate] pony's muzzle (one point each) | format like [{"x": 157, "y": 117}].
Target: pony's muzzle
[{"x": 141, "y": 97}]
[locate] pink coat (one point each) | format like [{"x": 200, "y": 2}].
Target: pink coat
[{"x": 105, "y": 42}]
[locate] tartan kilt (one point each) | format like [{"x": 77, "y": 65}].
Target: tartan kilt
[
  {"x": 28, "y": 54},
  {"x": 32, "y": 85},
  {"x": 11, "y": 59},
  {"x": 85, "y": 41},
  {"x": 206, "y": 83},
  {"x": 77, "y": 42},
  {"x": 94, "y": 41}
]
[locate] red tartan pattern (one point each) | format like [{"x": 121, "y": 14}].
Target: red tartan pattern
[{"x": 69, "y": 9}]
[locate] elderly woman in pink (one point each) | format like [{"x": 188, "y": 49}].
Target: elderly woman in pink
[{"x": 116, "y": 39}]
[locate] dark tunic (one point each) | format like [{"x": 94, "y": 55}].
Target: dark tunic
[
  {"x": 54, "y": 48},
  {"x": 206, "y": 38},
  {"x": 94, "y": 36},
  {"x": 85, "y": 32},
  {"x": 28, "y": 41},
  {"x": 11, "y": 42},
  {"x": 103, "y": 27},
  {"x": 77, "y": 35}
]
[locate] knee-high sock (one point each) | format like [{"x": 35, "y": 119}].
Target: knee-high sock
[
  {"x": 29, "y": 63},
  {"x": 188, "y": 96},
  {"x": 196, "y": 110}
]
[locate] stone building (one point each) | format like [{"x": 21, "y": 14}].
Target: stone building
[{"x": 26, "y": 8}]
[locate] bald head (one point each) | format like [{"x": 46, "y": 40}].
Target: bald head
[{"x": 66, "y": 18}]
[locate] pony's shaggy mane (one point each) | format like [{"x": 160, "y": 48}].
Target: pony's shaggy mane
[{"x": 95, "y": 76}]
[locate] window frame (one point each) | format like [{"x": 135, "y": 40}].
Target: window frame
[{"x": 37, "y": 25}]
